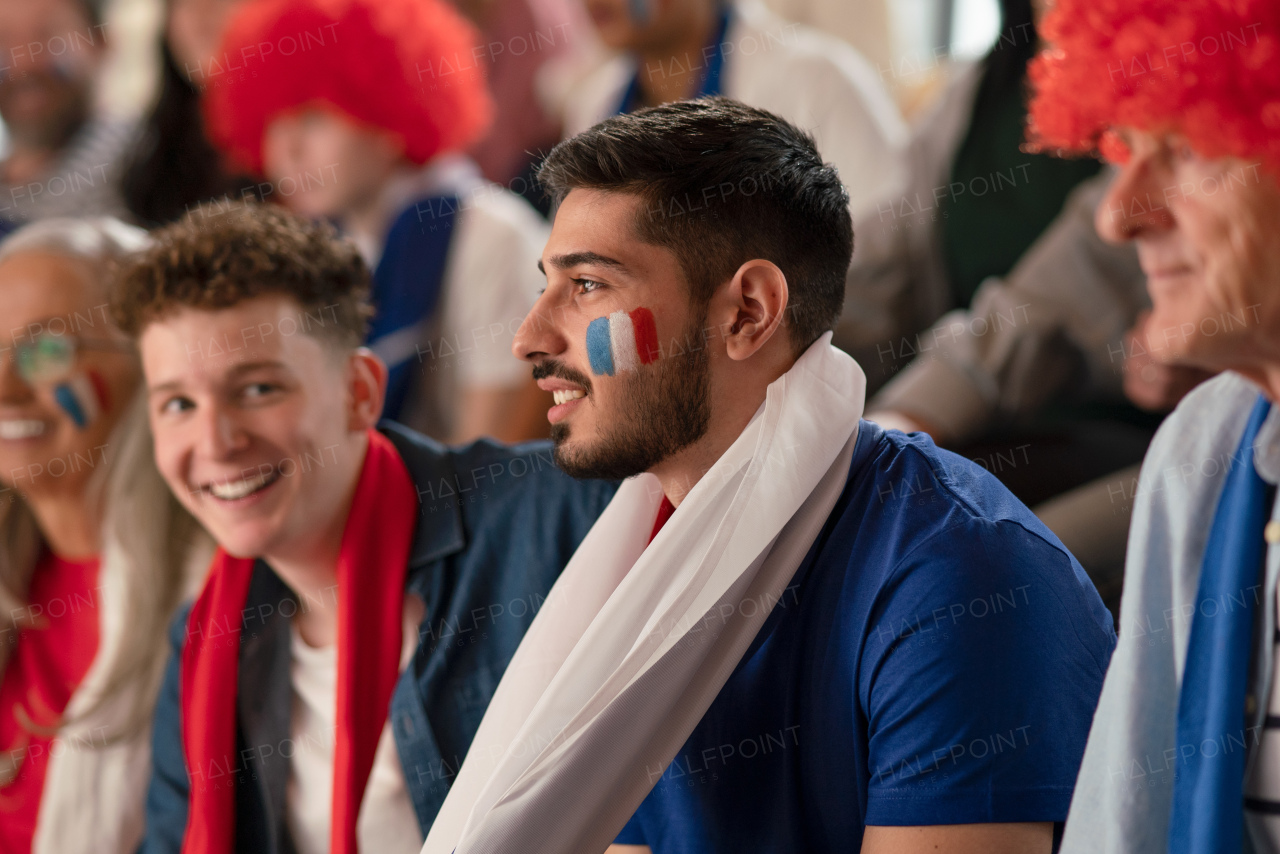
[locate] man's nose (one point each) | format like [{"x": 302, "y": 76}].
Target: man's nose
[
  {"x": 220, "y": 435},
  {"x": 1136, "y": 201},
  {"x": 539, "y": 336}
]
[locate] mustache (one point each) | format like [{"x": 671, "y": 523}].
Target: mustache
[{"x": 559, "y": 370}]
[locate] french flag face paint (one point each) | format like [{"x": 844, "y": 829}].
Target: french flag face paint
[
  {"x": 80, "y": 398},
  {"x": 622, "y": 341}
]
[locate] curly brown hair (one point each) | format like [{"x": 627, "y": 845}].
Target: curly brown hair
[{"x": 216, "y": 258}]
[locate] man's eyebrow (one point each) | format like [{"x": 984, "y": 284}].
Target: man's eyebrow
[
  {"x": 235, "y": 371},
  {"x": 573, "y": 259},
  {"x": 164, "y": 387},
  {"x": 246, "y": 367}
]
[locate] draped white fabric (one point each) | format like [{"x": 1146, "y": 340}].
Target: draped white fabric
[{"x": 633, "y": 644}]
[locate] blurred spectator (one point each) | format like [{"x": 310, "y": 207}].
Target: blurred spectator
[
  {"x": 95, "y": 554},
  {"x": 864, "y": 24},
  {"x": 61, "y": 158},
  {"x": 1016, "y": 319},
  {"x": 1031, "y": 381},
  {"x": 519, "y": 38},
  {"x": 1184, "y": 750},
  {"x": 974, "y": 202},
  {"x": 741, "y": 50},
  {"x": 365, "y": 129},
  {"x": 173, "y": 167}
]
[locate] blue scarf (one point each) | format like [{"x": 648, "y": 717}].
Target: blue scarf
[
  {"x": 406, "y": 289},
  {"x": 1208, "y": 792}
]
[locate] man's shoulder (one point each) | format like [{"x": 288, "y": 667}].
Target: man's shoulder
[
  {"x": 922, "y": 537},
  {"x": 923, "y": 490},
  {"x": 919, "y": 521}
]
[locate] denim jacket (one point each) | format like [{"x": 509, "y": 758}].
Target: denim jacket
[{"x": 497, "y": 526}]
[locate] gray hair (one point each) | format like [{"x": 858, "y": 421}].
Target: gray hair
[
  {"x": 95, "y": 240},
  {"x": 138, "y": 514}
]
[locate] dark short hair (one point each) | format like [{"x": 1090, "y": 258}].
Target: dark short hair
[
  {"x": 722, "y": 183},
  {"x": 219, "y": 256}
]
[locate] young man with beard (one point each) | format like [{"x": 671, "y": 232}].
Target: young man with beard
[
  {"x": 790, "y": 630},
  {"x": 370, "y": 584}
]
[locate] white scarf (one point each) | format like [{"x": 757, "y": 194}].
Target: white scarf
[
  {"x": 634, "y": 642},
  {"x": 94, "y": 791}
]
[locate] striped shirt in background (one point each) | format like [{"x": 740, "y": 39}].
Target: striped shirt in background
[
  {"x": 1262, "y": 785},
  {"x": 85, "y": 181}
]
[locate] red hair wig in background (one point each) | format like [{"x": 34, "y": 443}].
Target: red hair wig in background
[
  {"x": 406, "y": 66},
  {"x": 1208, "y": 69}
]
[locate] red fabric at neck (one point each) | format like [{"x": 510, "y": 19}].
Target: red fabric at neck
[
  {"x": 665, "y": 509},
  {"x": 371, "y": 571}
]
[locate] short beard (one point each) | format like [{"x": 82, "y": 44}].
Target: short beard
[
  {"x": 59, "y": 127},
  {"x": 666, "y": 407}
]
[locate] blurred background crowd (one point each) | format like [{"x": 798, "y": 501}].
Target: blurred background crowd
[{"x": 982, "y": 303}]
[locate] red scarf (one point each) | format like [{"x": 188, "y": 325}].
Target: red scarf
[{"x": 371, "y": 570}]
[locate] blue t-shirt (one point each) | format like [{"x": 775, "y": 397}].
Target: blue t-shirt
[{"x": 935, "y": 660}]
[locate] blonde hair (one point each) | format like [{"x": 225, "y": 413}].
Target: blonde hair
[{"x": 139, "y": 514}]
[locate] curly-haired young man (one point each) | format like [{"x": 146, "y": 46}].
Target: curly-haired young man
[{"x": 370, "y": 585}]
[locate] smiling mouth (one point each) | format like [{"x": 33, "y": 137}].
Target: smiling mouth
[
  {"x": 21, "y": 428},
  {"x": 234, "y": 490},
  {"x": 565, "y": 395}
]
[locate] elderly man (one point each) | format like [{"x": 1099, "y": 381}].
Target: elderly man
[
  {"x": 1184, "y": 753},
  {"x": 60, "y": 159}
]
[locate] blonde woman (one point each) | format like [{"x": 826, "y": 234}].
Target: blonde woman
[{"x": 93, "y": 548}]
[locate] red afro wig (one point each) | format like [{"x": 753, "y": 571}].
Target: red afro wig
[
  {"x": 1208, "y": 69},
  {"x": 406, "y": 66}
]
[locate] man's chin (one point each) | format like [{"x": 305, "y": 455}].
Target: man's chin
[
  {"x": 242, "y": 541},
  {"x": 241, "y": 549},
  {"x": 592, "y": 463}
]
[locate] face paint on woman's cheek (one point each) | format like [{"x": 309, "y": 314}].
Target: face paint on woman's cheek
[
  {"x": 80, "y": 399},
  {"x": 100, "y": 389},
  {"x": 622, "y": 341}
]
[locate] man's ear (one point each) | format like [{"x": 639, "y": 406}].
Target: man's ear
[
  {"x": 367, "y": 389},
  {"x": 757, "y": 298}
]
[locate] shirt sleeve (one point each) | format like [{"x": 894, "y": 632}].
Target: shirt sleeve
[
  {"x": 491, "y": 282},
  {"x": 980, "y": 675},
  {"x": 1053, "y": 326}
]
